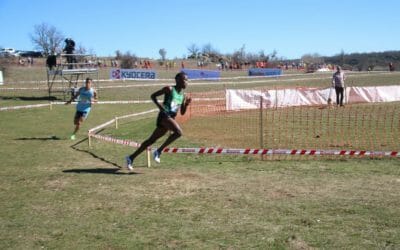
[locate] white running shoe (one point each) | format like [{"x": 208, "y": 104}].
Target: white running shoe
[
  {"x": 129, "y": 163},
  {"x": 156, "y": 156}
]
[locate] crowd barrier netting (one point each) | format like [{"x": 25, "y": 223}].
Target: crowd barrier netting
[
  {"x": 356, "y": 130},
  {"x": 359, "y": 126}
]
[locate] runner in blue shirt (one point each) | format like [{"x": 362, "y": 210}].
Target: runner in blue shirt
[{"x": 87, "y": 95}]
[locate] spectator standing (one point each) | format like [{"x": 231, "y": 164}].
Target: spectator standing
[
  {"x": 338, "y": 83},
  {"x": 391, "y": 67},
  {"x": 69, "y": 49}
]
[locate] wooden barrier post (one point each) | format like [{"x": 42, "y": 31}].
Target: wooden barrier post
[
  {"x": 89, "y": 140},
  {"x": 148, "y": 151},
  {"x": 261, "y": 126}
]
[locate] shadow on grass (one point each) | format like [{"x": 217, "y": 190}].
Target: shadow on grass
[
  {"x": 30, "y": 98},
  {"x": 96, "y": 170},
  {"x": 39, "y": 138}
]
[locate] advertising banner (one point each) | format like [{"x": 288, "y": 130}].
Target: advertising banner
[
  {"x": 265, "y": 72},
  {"x": 237, "y": 99},
  {"x": 202, "y": 74},
  {"x": 132, "y": 74}
]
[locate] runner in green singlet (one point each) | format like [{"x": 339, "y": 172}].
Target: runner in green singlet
[{"x": 174, "y": 101}]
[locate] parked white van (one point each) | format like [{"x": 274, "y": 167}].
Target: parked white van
[{"x": 5, "y": 52}]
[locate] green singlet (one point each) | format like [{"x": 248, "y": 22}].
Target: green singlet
[{"x": 173, "y": 102}]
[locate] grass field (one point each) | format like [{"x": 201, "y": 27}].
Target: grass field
[{"x": 61, "y": 194}]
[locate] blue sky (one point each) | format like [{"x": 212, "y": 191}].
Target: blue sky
[{"x": 292, "y": 28}]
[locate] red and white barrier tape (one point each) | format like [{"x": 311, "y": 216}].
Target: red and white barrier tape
[
  {"x": 116, "y": 141},
  {"x": 281, "y": 152},
  {"x": 235, "y": 151}
]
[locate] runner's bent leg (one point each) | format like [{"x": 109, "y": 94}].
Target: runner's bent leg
[
  {"x": 77, "y": 121},
  {"x": 172, "y": 125},
  {"x": 157, "y": 133}
]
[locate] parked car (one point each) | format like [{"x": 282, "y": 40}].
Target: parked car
[
  {"x": 30, "y": 53},
  {"x": 7, "y": 52}
]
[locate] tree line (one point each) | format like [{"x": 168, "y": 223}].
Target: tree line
[
  {"x": 49, "y": 40},
  {"x": 366, "y": 61}
]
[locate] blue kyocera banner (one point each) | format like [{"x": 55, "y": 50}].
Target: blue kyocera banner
[
  {"x": 200, "y": 74},
  {"x": 132, "y": 74},
  {"x": 264, "y": 72}
]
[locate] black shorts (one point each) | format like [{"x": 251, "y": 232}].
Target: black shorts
[
  {"x": 80, "y": 114},
  {"x": 163, "y": 115}
]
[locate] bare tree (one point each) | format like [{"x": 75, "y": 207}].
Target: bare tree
[
  {"x": 312, "y": 58},
  {"x": 81, "y": 50},
  {"x": 211, "y": 53},
  {"x": 128, "y": 60},
  {"x": 238, "y": 56},
  {"x": 273, "y": 55},
  {"x": 243, "y": 52},
  {"x": 262, "y": 56},
  {"x": 47, "y": 38},
  {"x": 193, "y": 50},
  {"x": 118, "y": 54},
  {"x": 163, "y": 54},
  {"x": 342, "y": 58},
  {"x": 207, "y": 49}
]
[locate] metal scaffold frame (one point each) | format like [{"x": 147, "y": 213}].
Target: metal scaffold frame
[{"x": 68, "y": 69}]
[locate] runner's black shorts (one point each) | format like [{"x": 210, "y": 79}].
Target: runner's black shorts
[{"x": 162, "y": 115}]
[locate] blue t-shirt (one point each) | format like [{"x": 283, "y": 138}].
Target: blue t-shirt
[{"x": 85, "y": 99}]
